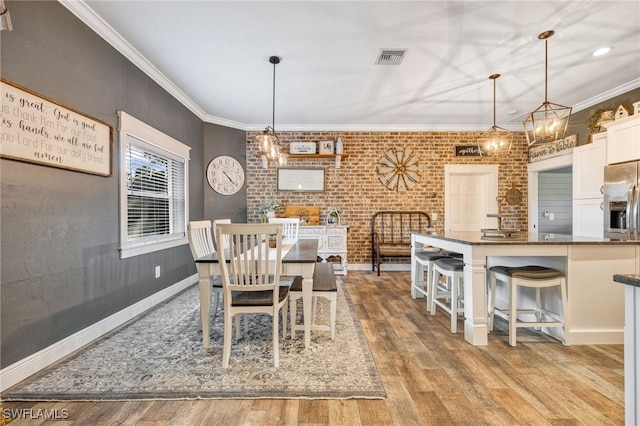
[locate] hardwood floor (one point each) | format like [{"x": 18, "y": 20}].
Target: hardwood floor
[{"x": 431, "y": 378}]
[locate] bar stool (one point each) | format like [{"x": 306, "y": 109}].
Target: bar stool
[
  {"x": 536, "y": 277},
  {"x": 451, "y": 289},
  {"x": 424, "y": 263}
]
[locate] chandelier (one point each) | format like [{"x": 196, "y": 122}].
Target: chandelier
[
  {"x": 549, "y": 121},
  {"x": 268, "y": 140},
  {"x": 496, "y": 140}
]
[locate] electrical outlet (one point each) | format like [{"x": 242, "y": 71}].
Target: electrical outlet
[
  {"x": 157, "y": 271},
  {"x": 552, "y": 216},
  {"x": 434, "y": 216}
]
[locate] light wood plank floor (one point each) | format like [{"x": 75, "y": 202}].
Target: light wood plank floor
[{"x": 431, "y": 378}]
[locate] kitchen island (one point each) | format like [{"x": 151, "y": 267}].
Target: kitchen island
[{"x": 596, "y": 304}]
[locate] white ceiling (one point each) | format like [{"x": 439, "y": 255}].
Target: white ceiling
[{"x": 213, "y": 57}]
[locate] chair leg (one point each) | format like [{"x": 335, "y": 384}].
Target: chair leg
[
  {"x": 237, "y": 320},
  {"x": 513, "y": 315},
  {"x": 226, "y": 348},
  {"x": 293, "y": 308},
  {"x": 538, "y": 308},
  {"x": 434, "y": 291},
  {"x": 492, "y": 299},
  {"x": 454, "y": 304},
  {"x": 565, "y": 310},
  {"x": 276, "y": 351},
  {"x": 284, "y": 319},
  {"x": 216, "y": 302}
]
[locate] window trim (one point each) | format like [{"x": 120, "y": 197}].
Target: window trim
[{"x": 156, "y": 141}]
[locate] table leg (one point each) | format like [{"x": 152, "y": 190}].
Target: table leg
[
  {"x": 205, "y": 303},
  {"x": 307, "y": 300}
]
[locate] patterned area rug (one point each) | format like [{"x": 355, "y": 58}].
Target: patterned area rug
[{"x": 160, "y": 356}]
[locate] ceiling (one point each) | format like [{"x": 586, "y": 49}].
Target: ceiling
[{"x": 213, "y": 56}]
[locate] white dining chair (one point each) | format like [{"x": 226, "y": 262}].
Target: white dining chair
[
  {"x": 251, "y": 277},
  {"x": 225, "y": 242},
  {"x": 290, "y": 227},
  {"x": 201, "y": 244}
]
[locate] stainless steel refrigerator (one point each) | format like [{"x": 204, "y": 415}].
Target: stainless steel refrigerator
[{"x": 621, "y": 198}]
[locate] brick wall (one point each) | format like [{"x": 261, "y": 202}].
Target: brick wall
[{"x": 355, "y": 190}]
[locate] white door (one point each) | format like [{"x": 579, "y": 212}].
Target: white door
[{"x": 470, "y": 194}]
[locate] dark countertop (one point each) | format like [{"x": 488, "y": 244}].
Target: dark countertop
[
  {"x": 632, "y": 279},
  {"x": 476, "y": 238}
]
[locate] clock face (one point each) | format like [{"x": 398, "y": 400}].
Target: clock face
[
  {"x": 398, "y": 169},
  {"x": 225, "y": 175}
]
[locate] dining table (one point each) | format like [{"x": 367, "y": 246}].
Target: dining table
[{"x": 298, "y": 259}]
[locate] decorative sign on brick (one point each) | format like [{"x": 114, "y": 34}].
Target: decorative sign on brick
[
  {"x": 469, "y": 151},
  {"x": 553, "y": 149}
]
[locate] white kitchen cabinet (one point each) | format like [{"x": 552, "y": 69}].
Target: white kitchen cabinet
[
  {"x": 588, "y": 217},
  {"x": 623, "y": 139},
  {"x": 588, "y": 180},
  {"x": 588, "y": 168},
  {"x": 332, "y": 244}
]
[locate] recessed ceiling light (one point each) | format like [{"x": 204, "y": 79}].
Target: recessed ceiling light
[{"x": 602, "y": 51}]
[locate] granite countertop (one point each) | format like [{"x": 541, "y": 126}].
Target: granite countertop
[
  {"x": 523, "y": 238},
  {"x": 629, "y": 279}
]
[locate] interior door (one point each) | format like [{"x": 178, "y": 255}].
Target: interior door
[{"x": 470, "y": 192}]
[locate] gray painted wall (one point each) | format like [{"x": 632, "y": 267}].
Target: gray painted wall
[
  {"x": 219, "y": 140},
  {"x": 60, "y": 265},
  {"x": 555, "y": 196}
]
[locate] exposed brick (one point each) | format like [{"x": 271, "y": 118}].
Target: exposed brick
[{"x": 354, "y": 187}]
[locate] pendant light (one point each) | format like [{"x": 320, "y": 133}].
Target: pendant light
[
  {"x": 268, "y": 140},
  {"x": 496, "y": 140},
  {"x": 549, "y": 121}
]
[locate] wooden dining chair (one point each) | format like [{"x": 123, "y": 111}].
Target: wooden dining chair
[
  {"x": 225, "y": 242},
  {"x": 251, "y": 278},
  {"x": 201, "y": 244},
  {"x": 290, "y": 227}
]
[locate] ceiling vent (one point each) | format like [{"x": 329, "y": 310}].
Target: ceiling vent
[{"x": 390, "y": 56}]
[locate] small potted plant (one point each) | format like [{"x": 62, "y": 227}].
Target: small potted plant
[
  {"x": 269, "y": 208},
  {"x": 334, "y": 216},
  {"x": 598, "y": 117}
]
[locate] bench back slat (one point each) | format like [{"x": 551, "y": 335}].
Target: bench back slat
[{"x": 395, "y": 227}]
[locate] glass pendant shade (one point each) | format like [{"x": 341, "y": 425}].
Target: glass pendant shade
[
  {"x": 549, "y": 121},
  {"x": 268, "y": 141},
  {"x": 496, "y": 140}
]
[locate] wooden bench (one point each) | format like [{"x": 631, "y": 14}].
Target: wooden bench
[
  {"x": 391, "y": 234},
  {"x": 324, "y": 285}
]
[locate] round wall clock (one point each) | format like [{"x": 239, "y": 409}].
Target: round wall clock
[
  {"x": 398, "y": 169},
  {"x": 225, "y": 175}
]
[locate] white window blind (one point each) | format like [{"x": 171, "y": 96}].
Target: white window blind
[{"x": 153, "y": 189}]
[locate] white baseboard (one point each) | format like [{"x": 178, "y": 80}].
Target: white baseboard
[
  {"x": 383, "y": 267},
  {"x": 24, "y": 368}
]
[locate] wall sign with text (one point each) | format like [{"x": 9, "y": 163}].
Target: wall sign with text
[
  {"x": 469, "y": 151},
  {"x": 38, "y": 130},
  {"x": 552, "y": 149}
]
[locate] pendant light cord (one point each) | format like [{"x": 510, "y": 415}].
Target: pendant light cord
[{"x": 273, "y": 98}]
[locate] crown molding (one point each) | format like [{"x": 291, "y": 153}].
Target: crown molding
[
  {"x": 83, "y": 12},
  {"x": 376, "y": 128},
  {"x": 609, "y": 94}
]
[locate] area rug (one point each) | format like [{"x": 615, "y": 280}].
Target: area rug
[{"x": 160, "y": 356}]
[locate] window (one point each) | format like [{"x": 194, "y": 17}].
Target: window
[{"x": 153, "y": 189}]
